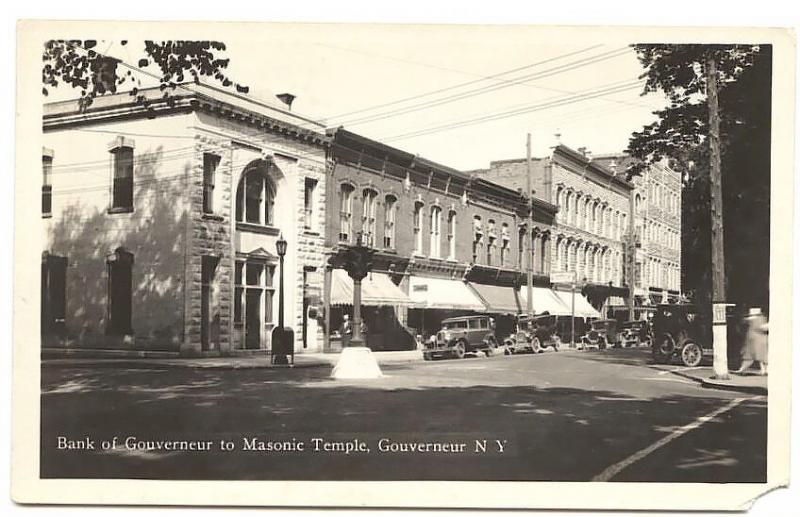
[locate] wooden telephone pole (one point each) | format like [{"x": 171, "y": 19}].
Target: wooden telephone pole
[
  {"x": 529, "y": 195},
  {"x": 719, "y": 323}
]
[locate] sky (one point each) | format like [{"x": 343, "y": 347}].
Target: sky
[{"x": 459, "y": 95}]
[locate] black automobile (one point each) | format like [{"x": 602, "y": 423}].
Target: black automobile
[
  {"x": 634, "y": 333},
  {"x": 681, "y": 332},
  {"x": 601, "y": 335},
  {"x": 462, "y": 335},
  {"x": 534, "y": 334}
]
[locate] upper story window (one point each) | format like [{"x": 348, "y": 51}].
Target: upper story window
[
  {"x": 255, "y": 197},
  {"x": 368, "y": 217},
  {"x": 390, "y": 214},
  {"x": 418, "y": 227},
  {"x": 451, "y": 235},
  {"x": 210, "y": 164},
  {"x": 436, "y": 231},
  {"x": 309, "y": 188},
  {"x": 47, "y": 185},
  {"x": 121, "y": 151},
  {"x": 345, "y": 212}
]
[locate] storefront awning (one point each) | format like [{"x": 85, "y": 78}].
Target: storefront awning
[
  {"x": 544, "y": 300},
  {"x": 443, "y": 293},
  {"x": 377, "y": 289},
  {"x": 498, "y": 300},
  {"x": 583, "y": 309}
]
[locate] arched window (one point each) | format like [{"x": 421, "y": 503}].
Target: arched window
[
  {"x": 390, "y": 213},
  {"x": 345, "y": 212},
  {"x": 436, "y": 231},
  {"x": 418, "y": 227},
  {"x": 368, "y": 217},
  {"x": 255, "y": 197},
  {"x": 451, "y": 235}
]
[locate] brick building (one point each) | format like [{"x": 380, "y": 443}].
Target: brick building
[
  {"x": 446, "y": 243},
  {"x": 160, "y": 222},
  {"x": 657, "y": 201},
  {"x": 595, "y": 201}
]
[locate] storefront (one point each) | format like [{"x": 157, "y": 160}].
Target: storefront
[
  {"x": 435, "y": 299},
  {"x": 381, "y": 301}
]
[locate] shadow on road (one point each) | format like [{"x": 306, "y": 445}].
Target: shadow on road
[{"x": 555, "y": 433}]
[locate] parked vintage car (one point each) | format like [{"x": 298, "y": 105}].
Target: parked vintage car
[
  {"x": 634, "y": 333},
  {"x": 463, "y": 335},
  {"x": 602, "y": 334},
  {"x": 681, "y": 332},
  {"x": 534, "y": 334}
]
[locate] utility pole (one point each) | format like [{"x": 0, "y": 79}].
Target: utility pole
[
  {"x": 529, "y": 194},
  {"x": 719, "y": 323}
]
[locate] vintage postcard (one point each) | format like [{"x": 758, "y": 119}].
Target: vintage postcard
[{"x": 402, "y": 266}]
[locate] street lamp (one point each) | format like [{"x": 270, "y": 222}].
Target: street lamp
[{"x": 282, "y": 337}]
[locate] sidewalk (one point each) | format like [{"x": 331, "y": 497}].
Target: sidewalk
[
  {"x": 146, "y": 361},
  {"x": 747, "y": 383}
]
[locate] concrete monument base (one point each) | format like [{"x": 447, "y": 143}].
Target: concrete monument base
[{"x": 356, "y": 363}]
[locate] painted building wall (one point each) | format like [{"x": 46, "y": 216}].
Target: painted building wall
[{"x": 82, "y": 229}]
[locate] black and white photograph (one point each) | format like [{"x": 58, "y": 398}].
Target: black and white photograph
[{"x": 404, "y": 253}]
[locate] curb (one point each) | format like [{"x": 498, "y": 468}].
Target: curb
[{"x": 720, "y": 385}]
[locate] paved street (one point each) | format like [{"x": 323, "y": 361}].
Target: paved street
[{"x": 558, "y": 416}]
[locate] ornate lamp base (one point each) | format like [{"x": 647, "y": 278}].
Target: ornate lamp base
[{"x": 356, "y": 363}]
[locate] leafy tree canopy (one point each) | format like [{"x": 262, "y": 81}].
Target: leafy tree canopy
[
  {"x": 679, "y": 72},
  {"x": 78, "y": 64}
]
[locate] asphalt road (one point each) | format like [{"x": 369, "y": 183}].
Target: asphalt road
[{"x": 572, "y": 416}]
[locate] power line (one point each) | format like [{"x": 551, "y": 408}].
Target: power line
[
  {"x": 512, "y": 113},
  {"x": 460, "y": 85},
  {"x": 488, "y": 89}
]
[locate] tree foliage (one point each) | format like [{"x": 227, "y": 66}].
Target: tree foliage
[
  {"x": 679, "y": 135},
  {"x": 78, "y": 64}
]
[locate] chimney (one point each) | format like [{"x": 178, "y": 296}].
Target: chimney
[
  {"x": 286, "y": 98},
  {"x": 582, "y": 150}
]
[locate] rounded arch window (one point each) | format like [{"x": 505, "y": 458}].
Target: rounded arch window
[{"x": 255, "y": 196}]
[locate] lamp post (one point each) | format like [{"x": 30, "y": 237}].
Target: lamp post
[
  {"x": 282, "y": 337},
  {"x": 355, "y": 361}
]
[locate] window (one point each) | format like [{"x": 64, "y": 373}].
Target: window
[
  {"x": 477, "y": 240},
  {"x": 504, "y": 245},
  {"x": 418, "y": 227},
  {"x": 47, "y": 186},
  {"x": 208, "y": 270},
  {"x": 346, "y": 213},
  {"x": 120, "y": 287},
  {"x": 308, "y": 203},
  {"x": 255, "y": 198},
  {"x": 451, "y": 235},
  {"x": 436, "y": 231},
  {"x": 254, "y": 292},
  {"x": 54, "y": 294},
  {"x": 122, "y": 187},
  {"x": 521, "y": 248},
  {"x": 390, "y": 214},
  {"x": 368, "y": 217},
  {"x": 210, "y": 163}
]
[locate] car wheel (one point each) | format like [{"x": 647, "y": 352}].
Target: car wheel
[
  {"x": 692, "y": 354},
  {"x": 536, "y": 345},
  {"x": 460, "y": 350},
  {"x": 426, "y": 357},
  {"x": 663, "y": 348}
]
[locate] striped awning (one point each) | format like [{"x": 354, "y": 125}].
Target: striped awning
[
  {"x": 377, "y": 289},
  {"x": 498, "y": 299},
  {"x": 544, "y": 300},
  {"x": 443, "y": 293},
  {"x": 583, "y": 309}
]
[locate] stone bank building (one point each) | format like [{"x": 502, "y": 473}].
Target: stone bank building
[{"x": 160, "y": 222}]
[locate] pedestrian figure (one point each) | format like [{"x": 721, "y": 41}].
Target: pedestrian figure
[
  {"x": 346, "y": 331},
  {"x": 755, "y": 342}
]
